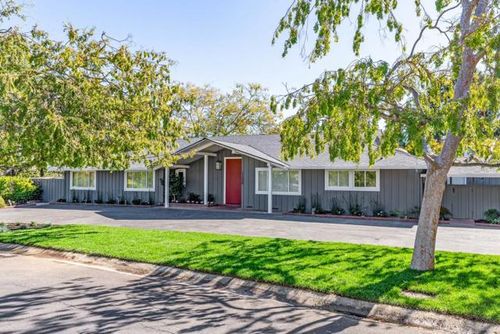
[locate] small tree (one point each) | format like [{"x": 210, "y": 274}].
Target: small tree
[
  {"x": 439, "y": 104},
  {"x": 176, "y": 185}
]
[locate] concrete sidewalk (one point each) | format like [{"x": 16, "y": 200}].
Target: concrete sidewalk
[{"x": 400, "y": 234}]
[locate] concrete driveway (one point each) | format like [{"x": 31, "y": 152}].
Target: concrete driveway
[
  {"x": 40, "y": 295},
  {"x": 402, "y": 234}
]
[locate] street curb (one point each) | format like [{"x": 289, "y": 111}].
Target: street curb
[{"x": 299, "y": 297}]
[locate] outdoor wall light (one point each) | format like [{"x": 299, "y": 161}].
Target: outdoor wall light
[{"x": 218, "y": 165}]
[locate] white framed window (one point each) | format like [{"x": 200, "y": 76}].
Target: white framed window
[
  {"x": 82, "y": 180},
  {"x": 457, "y": 181},
  {"x": 352, "y": 180},
  {"x": 139, "y": 180},
  {"x": 181, "y": 171},
  {"x": 284, "y": 182},
  {"x": 337, "y": 180}
]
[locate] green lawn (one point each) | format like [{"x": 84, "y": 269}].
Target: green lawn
[{"x": 462, "y": 284}]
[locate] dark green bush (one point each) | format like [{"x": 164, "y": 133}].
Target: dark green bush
[
  {"x": 301, "y": 205},
  {"x": 492, "y": 216},
  {"x": 336, "y": 209},
  {"x": 19, "y": 189},
  {"x": 378, "y": 209},
  {"x": 445, "y": 214},
  {"x": 316, "y": 203}
]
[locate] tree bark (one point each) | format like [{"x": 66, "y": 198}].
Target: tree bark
[
  {"x": 438, "y": 168},
  {"x": 435, "y": 184}
]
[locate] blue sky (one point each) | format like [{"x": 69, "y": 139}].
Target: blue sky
[{"x": 216, "y": 42}]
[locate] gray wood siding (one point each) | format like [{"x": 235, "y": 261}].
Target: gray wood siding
[
  {"x": 399, "y": 190},
  {"x": 52, "y": 188},
  {"x": 110, "y": 185},
  {"x": 470, "y": 201},
  {"x": 194, "y": 177}
]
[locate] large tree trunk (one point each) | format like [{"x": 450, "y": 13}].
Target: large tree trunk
[
  {"x": 435, "y": 184},
  {"x": 425, "y": 241}
]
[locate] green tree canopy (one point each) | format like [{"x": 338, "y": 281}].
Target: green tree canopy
[
  {"x": 441, "y": 104},
  {"x": 87, "y": 100},
  {"x": 207, "y": 111}
]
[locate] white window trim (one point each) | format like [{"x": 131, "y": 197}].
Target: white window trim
[
  {"x": 125, "y": 188},
  {"x": 82, "y": 188},
  {"x": 265, "y": 169},
  {"x": 351, "y": 186}
]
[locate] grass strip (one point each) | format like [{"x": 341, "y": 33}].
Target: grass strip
[{"x": 462, "y": 284}]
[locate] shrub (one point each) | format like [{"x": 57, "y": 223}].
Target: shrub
[
  {"x": 492, "y": 216},
  {"x": 414, "y": 212},
  {"x": 192, "y": 197},
  {"x": 211, "y": 198},
  {"x": 136, "y": 201},
  {"x": 61, "y": 200},
  {"x": 301, "y": 205},
  {"x": 336, "y": 209},
  {"x": 316, "y": 204},
  {"x": 19, "y": 189},
  {"x": 355, "y": 207},
  {"x": 378, "y": 209},
  {"x": 111, "y": 201},
  {"x": 444, "y": 213},
  {"x": 395, "y": 213},
  {"x": 2, "y": 202},
  {"x": 176, "y": 186}
]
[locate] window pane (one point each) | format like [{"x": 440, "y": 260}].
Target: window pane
[
  {"x": 338, "y": 178},
  {"x": 359, "y": 178},
  {"x": 343, "y": 178},
  {"x": 371, "y": 179},
  {"x": 262, "y": 180},
  {"x": 280, "y": 180},
  {"x": 140, "y": 179},
  {"x": 130, "y": 180},
  {"x": 91, "y": 176},
  {"x": 150, "y": 179},
  {"x": 83, "y": 179},
  {"x": 333, "y": 177},
  {"x": 294, "y": 176}
]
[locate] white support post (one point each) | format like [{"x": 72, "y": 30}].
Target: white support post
[
  {"x": 205, "y": 179},
  {"x": 167, "y": 186},
  {"x": 269, "y": 188}
]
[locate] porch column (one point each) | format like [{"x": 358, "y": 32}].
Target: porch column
[
  {"x": 167, "y": 186},
  {"x": 269, "y": 188},
  {"x": 205, "y": 179}
]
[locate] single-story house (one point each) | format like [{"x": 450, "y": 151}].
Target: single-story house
[{"x": 248, "y": 172}]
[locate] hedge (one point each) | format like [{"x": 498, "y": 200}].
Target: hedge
[{"x": 19, "y": 189}]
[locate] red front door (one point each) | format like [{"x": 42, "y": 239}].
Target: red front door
[{"x": 233, "y": 181}]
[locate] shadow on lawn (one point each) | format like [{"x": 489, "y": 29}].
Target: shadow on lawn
[{"x": 463, "y": 284}]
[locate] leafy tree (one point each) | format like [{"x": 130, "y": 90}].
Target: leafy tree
[
  {"x": 207, "y": 111},
  {"x": 88, "y": 100},
  {"x": 440, "y": 104}
]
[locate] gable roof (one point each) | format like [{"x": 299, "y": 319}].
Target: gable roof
[
  {"x": 237, "y": 147},
  {"x": 269, "y": 147}
]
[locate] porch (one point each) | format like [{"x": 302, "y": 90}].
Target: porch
[{"x": 214, "y": 173}]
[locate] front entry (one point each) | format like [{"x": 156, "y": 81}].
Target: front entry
[{"x": 233, "y": 181}]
